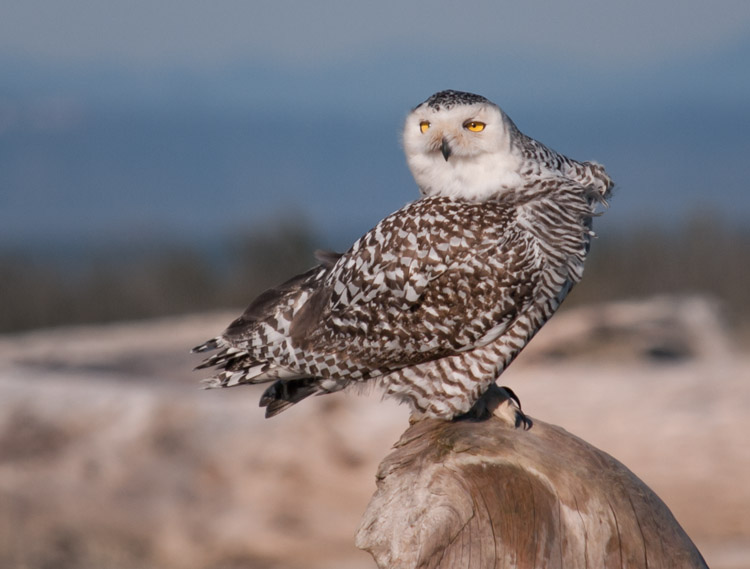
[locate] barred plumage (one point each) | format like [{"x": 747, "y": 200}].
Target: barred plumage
[{"x": 435, "y": 301}]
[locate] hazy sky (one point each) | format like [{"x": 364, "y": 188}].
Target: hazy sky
[
  {"x": 595, "y": 33},
  {"x": 116, "y": 111}
]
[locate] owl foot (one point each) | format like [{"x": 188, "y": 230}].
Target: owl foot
[{"x": 500, "y": 402}]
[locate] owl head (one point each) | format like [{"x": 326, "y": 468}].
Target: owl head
[{"x": 460, "y": 145}]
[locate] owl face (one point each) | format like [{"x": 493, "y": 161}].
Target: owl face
[{"x": 458, "y": 144}]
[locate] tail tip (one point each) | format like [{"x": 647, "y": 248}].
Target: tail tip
[{"x": 211, "y": 344}]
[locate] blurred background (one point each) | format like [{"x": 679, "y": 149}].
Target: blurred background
[{"x": 163, "y": 162}]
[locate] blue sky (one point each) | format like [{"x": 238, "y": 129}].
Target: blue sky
[
  {"x": 191, "y": 117},
  {"x": 596, "y": 34}
]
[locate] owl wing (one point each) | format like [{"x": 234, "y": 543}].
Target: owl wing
[{"x": 436, "y": 278}]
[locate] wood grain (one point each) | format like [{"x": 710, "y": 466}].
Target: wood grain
[{"x": 490, "y": 493}]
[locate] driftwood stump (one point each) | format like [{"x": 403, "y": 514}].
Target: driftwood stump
[{"x": 490, "y": 493}]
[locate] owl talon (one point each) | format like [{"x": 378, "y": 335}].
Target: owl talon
[{"x": 499, "y": 402}]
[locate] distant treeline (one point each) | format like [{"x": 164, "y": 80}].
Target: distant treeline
[
  {"x": 127, "y": 284},
  {"x": 702, "y": 256}
]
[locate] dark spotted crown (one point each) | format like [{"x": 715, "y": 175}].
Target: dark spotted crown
[{"x": 448, "y": 99}]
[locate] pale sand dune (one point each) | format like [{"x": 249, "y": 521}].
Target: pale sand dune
[{"x": 110, "y": 455}]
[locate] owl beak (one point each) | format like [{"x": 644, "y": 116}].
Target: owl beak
[{"x": 445, "y": 149}]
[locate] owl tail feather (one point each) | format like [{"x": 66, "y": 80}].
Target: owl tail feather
[{"x": 285, "y": 393}]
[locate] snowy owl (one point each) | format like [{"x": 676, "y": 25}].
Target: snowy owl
[{"x": 435, "y": 301}]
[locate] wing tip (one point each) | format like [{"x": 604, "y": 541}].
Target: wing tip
[{"x": 327, "y": 258}]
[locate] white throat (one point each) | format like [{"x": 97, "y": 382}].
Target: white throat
[{"x": 473, "y": 178}]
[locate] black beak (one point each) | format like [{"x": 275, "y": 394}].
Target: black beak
[{"x": 445, "y": 149}]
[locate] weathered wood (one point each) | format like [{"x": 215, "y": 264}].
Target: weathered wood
[{"x": 484, "y": 494}]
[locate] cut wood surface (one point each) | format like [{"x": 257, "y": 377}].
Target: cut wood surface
[{"x": 490, "y": 493}]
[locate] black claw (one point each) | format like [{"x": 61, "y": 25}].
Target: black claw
[
  {"x": 513, "y": 396},
  {"x": 521, "y": 418}
]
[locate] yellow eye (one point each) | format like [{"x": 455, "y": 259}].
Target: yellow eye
[
  {"x": 474, "y": 126},
  {"x": 423, "y": 126}
]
